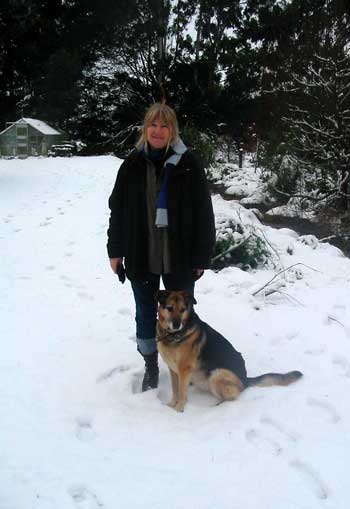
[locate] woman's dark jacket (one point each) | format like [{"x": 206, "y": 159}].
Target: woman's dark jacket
[{"x": 190, "y": 215}]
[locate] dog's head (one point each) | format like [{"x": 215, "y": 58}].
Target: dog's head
[{"x": 174, "y": 309}]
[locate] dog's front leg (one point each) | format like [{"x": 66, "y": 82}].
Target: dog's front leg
[
  {"x": 175, "y": 387},
  {"x": 184, "y": 381}
]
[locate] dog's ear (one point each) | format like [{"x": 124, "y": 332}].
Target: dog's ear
[
  {"x": 161, "y": 296},
  {"x": 189, "y": 298}
]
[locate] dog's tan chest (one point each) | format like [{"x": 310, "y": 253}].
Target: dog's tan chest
[
  {"x": 181, "y": 356},
  {"x": 168, "y": 356}
]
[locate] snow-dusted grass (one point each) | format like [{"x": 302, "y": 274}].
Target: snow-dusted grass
[{"x": 76, "y": 433}]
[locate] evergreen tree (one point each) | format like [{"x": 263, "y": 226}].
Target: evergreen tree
[
  {"x": 44, "y": 47},
  {"x": 29, "y": 32},
  {"x": 318, "y": 123}
]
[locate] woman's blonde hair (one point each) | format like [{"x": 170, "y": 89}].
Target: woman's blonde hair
[{"x": 166, "y": 115}]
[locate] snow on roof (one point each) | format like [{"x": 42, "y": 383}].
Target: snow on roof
[{"x": 39, "y": 125}]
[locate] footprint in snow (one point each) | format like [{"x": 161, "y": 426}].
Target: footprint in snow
[
  {"x": 343, "y": 364},
  {"x": 312, "y": 477},
  {"x": 292, "y": 335},
  {"x": 275, "y": 443},
  {"x": 326, "y": 407},
  {"x": 84, "y": 498},
  {"x": 84, "y": 430},
  {"x": 315, "y": 351},
  {"x": 111, "y": 372},
  {"x": 84, "y": 295},
  {"x": 68, "y": 282},
  {"x": 256, "y": 438},
  {"x": 291, "y": 436}
]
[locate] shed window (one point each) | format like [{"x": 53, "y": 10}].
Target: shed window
[{"x": 21, "y": 131}]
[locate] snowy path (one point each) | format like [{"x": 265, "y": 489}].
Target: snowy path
[{"x": 75, "y": 431}]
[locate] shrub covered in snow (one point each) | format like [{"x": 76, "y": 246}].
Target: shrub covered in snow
[
  {"x": 239, "y": 245},
  {"x": 221, "y": 172}
]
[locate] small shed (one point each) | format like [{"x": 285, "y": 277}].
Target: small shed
[{"x": 28, "y": 137}]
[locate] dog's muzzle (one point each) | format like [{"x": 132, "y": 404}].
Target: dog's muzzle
[{"x": 177, "y": 325}]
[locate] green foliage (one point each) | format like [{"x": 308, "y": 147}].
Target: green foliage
[
  {"x": 280, "y": 169},
  {"x": 203, "y": 142},
  {"x": 94, "y": 68},
  {"x": 44, "y": 48},
  {"x": 238, "y": 245}
]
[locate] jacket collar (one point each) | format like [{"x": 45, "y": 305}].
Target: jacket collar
[
  {"x": 177, "y": 148},
  {"x": 176, "y": 151}
]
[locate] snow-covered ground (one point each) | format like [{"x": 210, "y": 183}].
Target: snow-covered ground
[
  {"x": 246, "y": 183},
  {"x": 75, "y": 431},
  {"x": 250, "y": 186}
]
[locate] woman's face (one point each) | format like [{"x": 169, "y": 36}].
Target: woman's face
[{"x": 158, "y": 134}]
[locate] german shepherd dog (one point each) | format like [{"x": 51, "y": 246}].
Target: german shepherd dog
[{"x": 195, "y": 353}]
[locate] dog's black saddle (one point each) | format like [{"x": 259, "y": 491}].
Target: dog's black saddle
[{"x": 218, "y": 353}]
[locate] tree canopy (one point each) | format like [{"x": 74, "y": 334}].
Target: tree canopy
[{"x": 92, "y": 68}]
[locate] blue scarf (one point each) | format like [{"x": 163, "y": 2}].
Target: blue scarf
[{"x": 178, "y": 148}]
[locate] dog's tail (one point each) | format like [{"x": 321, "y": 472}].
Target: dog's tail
[{"x": 274, "y": 379}]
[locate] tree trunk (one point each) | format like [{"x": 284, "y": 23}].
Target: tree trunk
[
  {"x": 344, "y": 190},
  {"x": 198, "y": 41},
  {"x": 162, "y": 13}
]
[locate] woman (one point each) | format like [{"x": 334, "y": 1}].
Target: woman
[{"x": 161, "y": 224}]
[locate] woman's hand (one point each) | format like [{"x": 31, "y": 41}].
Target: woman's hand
[{"x": 114, "y": 262}]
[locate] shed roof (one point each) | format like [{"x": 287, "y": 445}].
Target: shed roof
[{"x": 39, "y": 125}]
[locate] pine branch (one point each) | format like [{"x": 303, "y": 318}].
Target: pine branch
[{"x": 232, "y": 248}]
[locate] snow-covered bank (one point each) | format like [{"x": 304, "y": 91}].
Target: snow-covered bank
[
  {"x": 251, "y": 188},
  {"x": 75, "y": 432}
]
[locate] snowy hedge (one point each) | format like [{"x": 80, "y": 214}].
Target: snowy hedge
[{"x": 241, "y": 245}]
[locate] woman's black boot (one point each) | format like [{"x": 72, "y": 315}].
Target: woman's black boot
[{"x": 151, "y": 377}]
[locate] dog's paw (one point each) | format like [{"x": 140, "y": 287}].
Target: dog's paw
[
  {"x": 179, "y": 407},
  {"x": 172, "y": 403}
]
